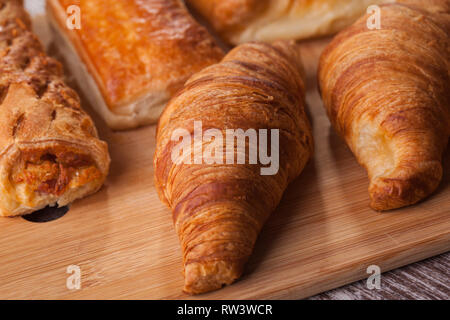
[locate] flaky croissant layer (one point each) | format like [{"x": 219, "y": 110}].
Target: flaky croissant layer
[
  {"x": 219, "y": 208},
  {"x": 387, "y": 92}
]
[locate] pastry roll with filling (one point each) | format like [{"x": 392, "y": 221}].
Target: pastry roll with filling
[
  {"x": 240, "y": 21},
  {"x": 50, "y": 153},
  {"x": 130, "y": 56}
]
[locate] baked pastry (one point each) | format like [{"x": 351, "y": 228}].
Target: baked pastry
[
  {"x": 240, "y": 21},
  {"x": 219, "y": 206},
  {"x": 387, "y": 93},
  {"x": 49, "y": 150},
  {"x": 131, "y": 56}
]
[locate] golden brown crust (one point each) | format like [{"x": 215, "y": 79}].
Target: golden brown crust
[
  {"x": 387, "y": 92},
  {"x": 134, "y": 49},
  {"x": 219, "y": 209},
  {"x": 240, "y": 21},
  {"x": 39, "y": 116},
  {"x": 229, "y": 16}
]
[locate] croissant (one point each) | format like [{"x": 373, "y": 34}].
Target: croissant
[
  {"x": 219, "y": 206},
  {"x": 387, "y": 93},
  {"x": 49, "y": 150}
]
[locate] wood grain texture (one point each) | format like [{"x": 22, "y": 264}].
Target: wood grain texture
[
  {"x": 424, "y": 280},
  {"x": 322, "y": 236}
]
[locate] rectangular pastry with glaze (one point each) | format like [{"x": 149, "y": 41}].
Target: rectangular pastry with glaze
[{"x": 129, "y": 57}]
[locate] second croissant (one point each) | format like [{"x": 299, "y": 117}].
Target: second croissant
[{"x": 387, "y": 92}]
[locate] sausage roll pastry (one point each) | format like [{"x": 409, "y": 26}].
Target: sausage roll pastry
[
  {"x": 49, "y": 150},
  {"x": 219, "y": 206},
  {"x": 130, "y": 56},
  {"x": 387, "y": 93},
  {"x": 239, "y": 21}
]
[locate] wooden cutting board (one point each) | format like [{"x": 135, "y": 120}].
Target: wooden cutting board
[{"x": 323, "y": 235}]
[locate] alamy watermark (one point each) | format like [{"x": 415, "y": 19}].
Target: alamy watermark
[
  {"x": 73, "y": 20},
  {"x": 214, "y": 147},
  {"x": 374, "y": 20},
  {"x": 374, "y": 280},
  {"x": 73, "y": 282}
]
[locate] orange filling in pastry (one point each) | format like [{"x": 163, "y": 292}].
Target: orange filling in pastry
[{"x": 52, "y": 172}]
